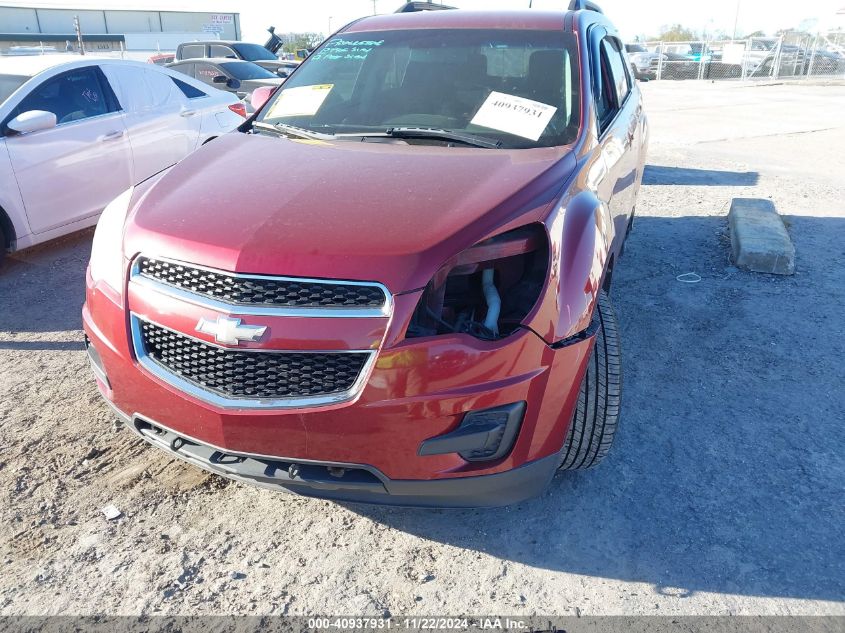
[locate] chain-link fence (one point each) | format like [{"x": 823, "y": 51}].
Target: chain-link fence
[{"x": 789, "y": 55}]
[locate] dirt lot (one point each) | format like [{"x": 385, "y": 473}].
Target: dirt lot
[{"x": 722, "y": 494}]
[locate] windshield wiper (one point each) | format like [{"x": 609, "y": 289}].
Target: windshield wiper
[
  {"x": 291, "y": 130},
  {"x": 427, "y": 132},
  {"x": 446, "y": 135}
]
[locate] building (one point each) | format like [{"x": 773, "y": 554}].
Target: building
[{"x": 46, "y": 27}]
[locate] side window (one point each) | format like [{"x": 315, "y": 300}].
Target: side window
[
  {"x": 619, "y": 69},
  {"x": 222, "y": 51},
  {"x": 206, "y": 73},
  {"x": 614, "y": 81},
  {"x": 188, "y": 90},
  {"x": 193, "y": 51},
  {"x": 605, "y": 106},
  {"x": 72, "y": 96}
]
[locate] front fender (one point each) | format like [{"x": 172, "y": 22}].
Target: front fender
[{"x": 580, "y": 233}]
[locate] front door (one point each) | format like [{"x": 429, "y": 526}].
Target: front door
[{"x": 72, "y": 171}]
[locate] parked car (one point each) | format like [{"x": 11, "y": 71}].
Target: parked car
[
  {"x": 674, "y": 65},
  {"x": 222, "y": 49},
  {"x": 162, "y": 59},
  {"x": 641, "y": 61},
  {"x": 76, "y": 131},
  {"x": 236, "y": 76},
  {"x": 418, "y": 313}
]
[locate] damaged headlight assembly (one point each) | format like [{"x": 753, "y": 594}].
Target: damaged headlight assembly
[{"x": 488, "y": 290}]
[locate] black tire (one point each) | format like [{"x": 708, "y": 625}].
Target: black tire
[
  {"x": 2, "y": 245},
  {"x": 597, "y": 414}
]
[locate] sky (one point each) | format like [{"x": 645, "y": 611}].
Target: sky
[{"x": 632, "y": 17}]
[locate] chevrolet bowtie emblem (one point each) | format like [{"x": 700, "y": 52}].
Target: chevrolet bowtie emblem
[{"x": 230, "y": 331}]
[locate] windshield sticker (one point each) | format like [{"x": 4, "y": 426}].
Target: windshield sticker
[
  {"x": 514, "y": 115},
  {"x": 347, "y": 49},
  {"x": 302, "y": 101}
]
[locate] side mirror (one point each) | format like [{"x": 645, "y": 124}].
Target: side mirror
[
  {"x": 233, "y": 83},
  {"x": 260, "y": 96},
  {"x": 32, "y": 121},
  {"x": 220, "y": 79}
]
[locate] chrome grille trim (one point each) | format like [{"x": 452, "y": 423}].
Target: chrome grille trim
[
  {"x": 218, "y": 305},
  {"x": 193, "y": 389}
]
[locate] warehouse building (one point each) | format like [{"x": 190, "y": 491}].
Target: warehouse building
[{"x": 45, "y": 27}]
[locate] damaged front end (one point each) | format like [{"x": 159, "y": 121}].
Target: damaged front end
[{"x": 488, "y": 290}]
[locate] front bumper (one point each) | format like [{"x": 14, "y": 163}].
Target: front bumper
[
  {"x": 417, "y": 390},
  {"x": 355, "y": 483}
]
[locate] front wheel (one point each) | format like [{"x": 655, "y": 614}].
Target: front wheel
[{"x": 597, "y": 414}]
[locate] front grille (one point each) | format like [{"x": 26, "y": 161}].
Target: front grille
[
  {"x": 251, "y": 374},
  {"x": 255, "y": 290}
]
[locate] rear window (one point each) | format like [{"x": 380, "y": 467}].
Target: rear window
[
  {"x": 252, "y": 52},
  {"x": 10, "y": 83},
  {"x": 188, "y": 90}
]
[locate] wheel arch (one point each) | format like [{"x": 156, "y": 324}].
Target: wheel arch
[{"x": 8, "y": 227}]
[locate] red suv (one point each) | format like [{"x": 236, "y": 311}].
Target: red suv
[{"x": 390, "y": 286}]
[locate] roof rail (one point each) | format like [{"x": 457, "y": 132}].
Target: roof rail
[
  {"x": 412, "y": 7},
  {"x": 585, "y": 5}
]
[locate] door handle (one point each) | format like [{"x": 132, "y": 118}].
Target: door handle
[
  {"x": 111, "y": 136},
  {"x": 185, "y": 112}
]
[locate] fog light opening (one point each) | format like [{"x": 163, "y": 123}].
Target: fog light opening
[{"x": 483, "y": 435}]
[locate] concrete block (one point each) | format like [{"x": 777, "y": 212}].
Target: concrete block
[{"x": 759, "y": 240}]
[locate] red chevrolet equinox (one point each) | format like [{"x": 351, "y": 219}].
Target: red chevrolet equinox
[{"x": 391, "y": 284}]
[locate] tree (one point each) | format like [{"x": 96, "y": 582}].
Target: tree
[
  {"x": 676, "y": 33},
  {"x": 296, "y": 41}
]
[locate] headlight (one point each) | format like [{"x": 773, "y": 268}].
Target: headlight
[
  {"x": 107, "y": 248},
  {"x": 487, "y": 290}
]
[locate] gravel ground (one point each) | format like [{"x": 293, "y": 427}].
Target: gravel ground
[{"x": 722, "y": 494}]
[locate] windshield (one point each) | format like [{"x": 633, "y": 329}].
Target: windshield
[
  {"x": 252, "y": 52},
  {"x": 635, "y": 48},
  {"x": 10, "y": 83},
  {"x": 246, "y": 70},
  {"x": 519, "y": 87}
]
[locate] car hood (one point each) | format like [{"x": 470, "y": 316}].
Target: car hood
[{"x": 387, "y": 212}]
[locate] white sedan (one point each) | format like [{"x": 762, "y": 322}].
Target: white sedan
[{"x": 77, "y": 131}]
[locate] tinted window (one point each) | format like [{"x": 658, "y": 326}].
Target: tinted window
[
  {"x": 188, "y": 90},
  {"x": 635, "y": 48},
  {"x": 222, "y": 51},
  {"x": 618, "y": 69},
  {"x": 247, "y": 70},
  {"x": 10, "y": 83},
  {"x": 193, "y": 51},
  {"x": 605, "y": 106},
  {"x": 252, "y": 52},
  {"x": 441, "y": 79},
  {"x": 72, "y": 96}
]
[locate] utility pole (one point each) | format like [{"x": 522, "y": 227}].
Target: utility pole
[
  {"x": 78, "y": 34},
  {"x": 374, "y": 7},
  {"x": 736, "y": 17}
]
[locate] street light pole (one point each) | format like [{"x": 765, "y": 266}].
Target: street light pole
[
  {"x": 736, "y": 17},
  {"x": 78, "y": 30},
  {"x": 330, "y": 25}
]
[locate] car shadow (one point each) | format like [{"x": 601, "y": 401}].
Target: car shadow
[
  {"x": 42, "y": 289},
  {"x": 664, "y": 175},
  {"x": 727, "y": 473}
]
